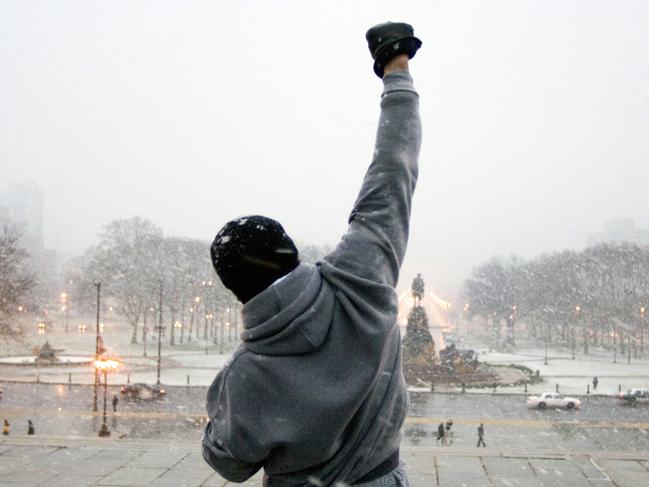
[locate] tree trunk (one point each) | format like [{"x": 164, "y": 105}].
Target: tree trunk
[
  {"x": 206, "y": 320},
  {"x": 144, "y": 322},
  {"x": 511, "y": 337},
  {"x": 134, "y": 334},
  {"x": 182, "y": 320},
  {"x": 172, "y": 324},
  {"x": 191, "y": 326}
]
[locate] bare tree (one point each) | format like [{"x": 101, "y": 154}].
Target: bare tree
[{"x": 16, "y": 281}]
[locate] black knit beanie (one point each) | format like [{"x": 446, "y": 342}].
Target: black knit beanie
[{"x": 250, "y": 253}]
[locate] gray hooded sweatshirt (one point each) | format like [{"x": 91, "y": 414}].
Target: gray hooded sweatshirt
[{"x": 315, "y": 394}]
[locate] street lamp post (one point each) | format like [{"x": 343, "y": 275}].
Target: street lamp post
[
  {"x": 159, "y": 334},
  {"x": 206, "y": 286},
  {"x": 574, "y": 331},
  {"x": 642, "y": 311},
  {"x": 66, "y": 307},
  {"x": 193, "y": 310},
  {"x": 97, "y": 345},
  {"x": 41, "y": 331},
  {"x": 105, "y": 366}
]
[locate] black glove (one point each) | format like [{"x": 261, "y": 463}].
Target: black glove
[{"x": 386, "y": 41}]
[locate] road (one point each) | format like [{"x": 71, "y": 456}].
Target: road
[{"x": 601, "y": 424}]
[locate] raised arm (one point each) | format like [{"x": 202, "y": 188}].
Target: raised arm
[{"x": 374, "y": 245}]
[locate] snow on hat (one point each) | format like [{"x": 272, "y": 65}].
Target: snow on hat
[{"x": 252, "y": 252}]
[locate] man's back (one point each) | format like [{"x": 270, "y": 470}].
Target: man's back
[
  {"x": 315, "y": 394},
  {"x": 309, "y": 384}
]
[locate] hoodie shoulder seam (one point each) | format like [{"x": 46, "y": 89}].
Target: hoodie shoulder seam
[{"x": 235, "y": 357}]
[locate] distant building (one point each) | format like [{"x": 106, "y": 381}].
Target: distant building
[
  {"x": 620, "y": 231},
  {"x": 23, "y": 203}
]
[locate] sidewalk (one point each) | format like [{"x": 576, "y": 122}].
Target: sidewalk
[{"x": 79, "y": 462}]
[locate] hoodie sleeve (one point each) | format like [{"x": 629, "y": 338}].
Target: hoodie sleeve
[
  {"x": 374, "y": 245},
  {"x": 228, "y": 445},
  {"x": 223, "y": 462}
]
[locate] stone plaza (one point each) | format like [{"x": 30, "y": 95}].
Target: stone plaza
[{"x": 77, "y": 462}]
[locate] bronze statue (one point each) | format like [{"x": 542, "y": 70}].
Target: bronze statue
[{"x": 418, "y": 289}]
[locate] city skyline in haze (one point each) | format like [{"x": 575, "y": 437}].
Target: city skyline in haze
[{"x": 535, "y": 120}]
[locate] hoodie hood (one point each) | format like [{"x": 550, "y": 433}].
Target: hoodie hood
[{"x": 290, "y": 317}]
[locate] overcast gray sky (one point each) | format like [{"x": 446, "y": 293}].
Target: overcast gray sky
[{"x": 536, "y": 118}]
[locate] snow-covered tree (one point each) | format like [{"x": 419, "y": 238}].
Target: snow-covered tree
[
  {"x": 598, "y": 296},
  {"x": 495, "y": 292},
  {"x": 127, "y": 261},
  {"x": 15, "y": 280}
]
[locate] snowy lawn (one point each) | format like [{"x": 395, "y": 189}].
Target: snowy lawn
[
  {"x": 573, "y": 376},
  {"x": 178, "y": 362}
]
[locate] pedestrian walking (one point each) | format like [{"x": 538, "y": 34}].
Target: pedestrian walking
[
  {"x": 115, "y": 401},
  {"x": 5, "y": 428},
  {"x": 440, "y": 434},
  {"x": 448, "y": 437},
  {"x": 30, "y": 427},
  {"x": 300, "y": 319},
  {"x": 595, "y": 382},
  {"x": 481, "y": 436}
]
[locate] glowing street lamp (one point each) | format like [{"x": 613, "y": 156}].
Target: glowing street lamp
[
  {"x": 574, "y": 338},
  {"x": 105, "y": 366},
  {"x": 98, "y": 348},
  {"x": 179, "y": 327},
  {"x": 82, "y": 328},
  {"x": 65, "y": 307}
]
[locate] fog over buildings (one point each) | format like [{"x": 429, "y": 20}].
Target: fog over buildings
[{"x": 536, "y": 121}]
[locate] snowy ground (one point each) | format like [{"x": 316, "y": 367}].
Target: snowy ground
[
  {"x": 573, "y": 376},
  {"x": 180, "y": 363},
  {"x": 188, "y": 361}
]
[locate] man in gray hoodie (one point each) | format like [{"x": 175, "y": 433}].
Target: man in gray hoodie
[{"x": 315, "y": 394}]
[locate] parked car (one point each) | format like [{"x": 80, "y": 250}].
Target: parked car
[
  {"x": 553, "y": 400},
  {"x": 142, "y": 391},
  {"x": 632, "y": 396}
]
